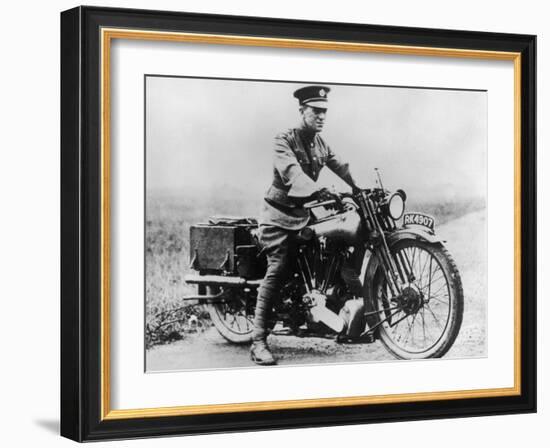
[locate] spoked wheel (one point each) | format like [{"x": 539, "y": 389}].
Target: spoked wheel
[
  {"x": 232, "y": 319},
  {"x": 424, "y": 320}
]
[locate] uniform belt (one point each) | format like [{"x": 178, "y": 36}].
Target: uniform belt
[{"x": 280, "y": 207}]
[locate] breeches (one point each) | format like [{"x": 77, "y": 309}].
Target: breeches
[{"x": 279, "y": 246}]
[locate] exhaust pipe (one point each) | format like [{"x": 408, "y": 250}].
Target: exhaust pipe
[
  {"x": 220, "y": 280},
  {"x": 216, "y": 281},
  {"x": 206, "y": 298}
]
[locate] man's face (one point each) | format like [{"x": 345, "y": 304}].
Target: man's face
[{"x": 314, "y": 118}]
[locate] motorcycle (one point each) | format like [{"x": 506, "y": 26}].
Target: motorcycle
[{"x": 412, "y": 298}]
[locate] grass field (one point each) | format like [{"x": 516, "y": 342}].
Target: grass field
[{"x": 168, "y": 219}]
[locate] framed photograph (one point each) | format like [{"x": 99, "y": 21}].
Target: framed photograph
[{"x": 276, "y": 224}]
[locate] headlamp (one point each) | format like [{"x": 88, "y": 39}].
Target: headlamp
[{"x": 396, "y": 205}]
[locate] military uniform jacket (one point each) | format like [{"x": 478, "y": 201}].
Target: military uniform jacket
[{"x": 298, "y": 159}]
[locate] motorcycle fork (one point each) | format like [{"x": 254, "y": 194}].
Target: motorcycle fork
[
  {"x": 393, "y": 273},
  {"x": 397, "y": 268},
  {"x": 404, "y": 267}
]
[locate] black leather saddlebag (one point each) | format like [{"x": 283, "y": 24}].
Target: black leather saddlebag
[{"x": 226, "y": 246}]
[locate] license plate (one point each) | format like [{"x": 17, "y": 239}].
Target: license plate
[{"x": 418, "y": 219}]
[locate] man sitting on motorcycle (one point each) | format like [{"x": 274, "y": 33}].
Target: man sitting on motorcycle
[{"x": 299, "y": 156}]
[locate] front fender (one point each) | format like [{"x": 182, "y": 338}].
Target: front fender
[{"x": 412, "y": 234}]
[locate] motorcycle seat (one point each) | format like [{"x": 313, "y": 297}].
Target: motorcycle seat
[{"x": 232, "y": 221}]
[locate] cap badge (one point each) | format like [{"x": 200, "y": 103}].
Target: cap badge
[{"x": 322, "y": 92}]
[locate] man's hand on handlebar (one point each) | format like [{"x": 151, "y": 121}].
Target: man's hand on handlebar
[
  {"x": 329, "y": 194},
  {"x": 324, "y": 194}
]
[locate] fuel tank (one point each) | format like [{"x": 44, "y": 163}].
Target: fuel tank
[{"x": 345, "y": 227}]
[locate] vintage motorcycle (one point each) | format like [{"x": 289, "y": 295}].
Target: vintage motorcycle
[{"x": 412, "y": 298}]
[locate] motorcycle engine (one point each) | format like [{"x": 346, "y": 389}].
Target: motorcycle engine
[{"x": 317, "y": 312}]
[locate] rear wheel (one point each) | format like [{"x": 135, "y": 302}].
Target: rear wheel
[
  {"x": 424, "y": 320},
  {"x": 232, "y": 318}
]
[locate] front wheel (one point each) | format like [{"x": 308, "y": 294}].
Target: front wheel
[{"x": 424, "y": 320}]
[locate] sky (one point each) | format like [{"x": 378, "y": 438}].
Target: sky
[{"x": 212, "y": 134}]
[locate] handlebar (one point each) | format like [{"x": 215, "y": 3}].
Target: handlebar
[
  {"x": 337, "y": 201},
  {"x": 314, "y": 204}
]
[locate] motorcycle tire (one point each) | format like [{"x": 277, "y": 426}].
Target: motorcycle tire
[
  {"x": 425, "y": 321},
  {"x": 231, "y": 320}
]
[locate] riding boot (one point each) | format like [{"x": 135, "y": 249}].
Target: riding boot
[
  {"x": 259, "y": 351},
  {"x": 351, "y": 279}
]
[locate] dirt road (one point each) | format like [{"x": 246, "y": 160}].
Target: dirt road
[{"x": 466, "y": 239}]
